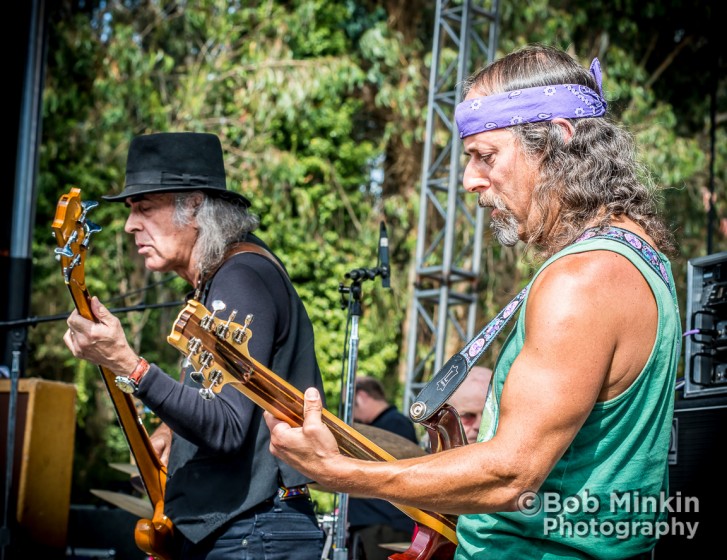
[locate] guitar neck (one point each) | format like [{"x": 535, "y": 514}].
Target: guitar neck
[
  {"x": 286, "y": 402},
  {"x": 259, "y": 384},
  {"x": 288, "y": 405},
  {"x": 151, "y": 470},
  {"x": 72, "y": 231}
]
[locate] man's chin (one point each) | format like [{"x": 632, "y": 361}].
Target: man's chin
[
  {"x": 153, "y": 265},
  {"x": 506, "y": 235}
]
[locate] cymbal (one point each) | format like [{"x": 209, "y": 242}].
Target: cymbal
[
  {"x": 396, "y": 445},
  {"x": 396, "y": 546},
  {"x": 127, "y": 468},
  {"x": 140, "y": 507}
]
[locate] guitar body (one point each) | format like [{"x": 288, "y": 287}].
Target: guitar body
[
  {"x": 156, "y": 536},
  {"x": 427, "y": 545},
  {"x": 72, "y": 232},
  {"x": 218, "y": 351}
]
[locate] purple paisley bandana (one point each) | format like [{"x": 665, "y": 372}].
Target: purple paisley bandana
[{"x": 541, "y": 103}]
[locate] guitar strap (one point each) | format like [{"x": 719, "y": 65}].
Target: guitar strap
[
  {"x": 236, "y": 249},
  {"x": 248, "y": 247},
  {"x": 451, "y": 375}
]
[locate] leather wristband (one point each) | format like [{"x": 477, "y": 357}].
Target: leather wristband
[{"x": 130, "y": 383}]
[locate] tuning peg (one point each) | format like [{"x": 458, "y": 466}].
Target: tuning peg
[
  {"x": 239, "y": 335},
  {"x": 90, "y": 228},
  {"x": 206, "y": 394},
  {"x": 86, "y": 205},
  {"x": 66, "y": 251},
  {"x": 224, "y": 329},
  {"x": 63, "y": 252},
  {"x": 207, "y": 321},
  {"x": 215, "y": 377},
  {"x": 197, "y": 376}
]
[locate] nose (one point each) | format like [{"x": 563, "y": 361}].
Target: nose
[
  {"x": 132, "y": 223},
  {"x": 474, "y": 180}
]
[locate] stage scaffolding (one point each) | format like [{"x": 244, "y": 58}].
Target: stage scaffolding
[{"x": 449, "y": 241}]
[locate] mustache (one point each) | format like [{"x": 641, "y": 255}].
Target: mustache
[{"x": 489, "y": 200}]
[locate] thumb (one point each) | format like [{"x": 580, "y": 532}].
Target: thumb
[
  {"x": 100, "y": 311},
  {"x": 312, "y": 406}
]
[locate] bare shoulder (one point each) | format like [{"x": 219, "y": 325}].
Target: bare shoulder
[
  {"x": 598, "y": 277},
  {"x": 595, "y": 303}
]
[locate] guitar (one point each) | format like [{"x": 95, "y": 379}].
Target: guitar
[
  {"x": 218, "y": 350},
  {"x": 72, "y": 232}
]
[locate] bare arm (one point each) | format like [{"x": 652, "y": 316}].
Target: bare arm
[{"x": 590, "y": 326}]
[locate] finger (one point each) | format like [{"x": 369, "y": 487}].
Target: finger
[
  {"x": 72, "y": 318},
  {"x": 165, "y": 456},
  {"x": 68, "y": 339},
  {"x": 271, "y": 421}
]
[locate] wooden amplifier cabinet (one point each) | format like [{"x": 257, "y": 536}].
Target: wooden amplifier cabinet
[{"x": 45, "y": 424}]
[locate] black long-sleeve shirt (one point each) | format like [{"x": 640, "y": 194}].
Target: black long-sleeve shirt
[{"x": 220, "y": 464}]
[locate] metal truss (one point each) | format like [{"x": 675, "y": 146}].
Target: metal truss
[{"x": 449, "y": 241}]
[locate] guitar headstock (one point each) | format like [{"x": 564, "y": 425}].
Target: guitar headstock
[
  {"x": 72, "y": 232},
  {"x": 208, "y": 342}
]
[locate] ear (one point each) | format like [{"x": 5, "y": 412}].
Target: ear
[
  {"x": 195, "y": 201},
  {"x": 565, "y": 127}
]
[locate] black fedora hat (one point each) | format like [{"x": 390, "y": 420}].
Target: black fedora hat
[{"x": 173, "y": 162}]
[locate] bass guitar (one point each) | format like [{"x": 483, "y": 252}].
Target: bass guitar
[
  {"x": 218, "y": 351},
  {"x": 72, "y": 232}
]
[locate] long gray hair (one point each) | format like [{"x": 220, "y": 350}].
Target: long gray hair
[
  {"x": 220, "y": 223},
  {"x": 593, "y": 176}
]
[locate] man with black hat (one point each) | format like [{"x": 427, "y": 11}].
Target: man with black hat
[{"x": 225, "y": 493}]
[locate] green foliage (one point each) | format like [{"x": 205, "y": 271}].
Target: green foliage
[
  {"x": 309, "y": 98},
  {"x": 290, "y": 90}
]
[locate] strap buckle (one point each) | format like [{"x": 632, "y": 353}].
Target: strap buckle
[{"x": 288, "y": 493}]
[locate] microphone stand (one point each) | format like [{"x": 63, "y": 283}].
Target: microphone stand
[{"x": 340, "y": 528}]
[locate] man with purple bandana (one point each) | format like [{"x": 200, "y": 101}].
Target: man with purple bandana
[{"x": 571, "y": 456}]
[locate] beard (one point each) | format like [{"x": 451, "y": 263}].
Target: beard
[{"x": 504, "y": 225}]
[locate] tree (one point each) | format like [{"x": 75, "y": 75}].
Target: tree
[{"x": 320, "y": 106}]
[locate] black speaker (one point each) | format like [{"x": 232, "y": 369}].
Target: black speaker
[
  {"x": 697, "y": 492},
  {"x": 705, "y": 349}
]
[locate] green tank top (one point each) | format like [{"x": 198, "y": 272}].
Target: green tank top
[{"x": 605, "y": 498}]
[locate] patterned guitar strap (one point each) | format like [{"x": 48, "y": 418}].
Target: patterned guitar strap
[{"x": 451, "y": 375}]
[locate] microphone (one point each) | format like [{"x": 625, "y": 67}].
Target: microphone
[{"x": 384, "y": 256}]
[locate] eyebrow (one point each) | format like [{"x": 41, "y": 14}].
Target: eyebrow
[{"x": 136, "y": 198}]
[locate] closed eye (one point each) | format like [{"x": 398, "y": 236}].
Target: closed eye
[{"x": 486, "y": 158}]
